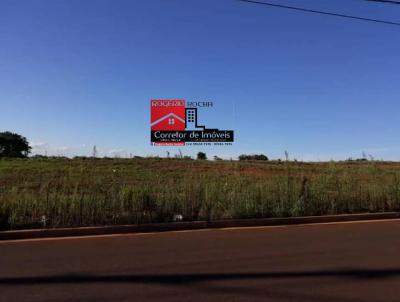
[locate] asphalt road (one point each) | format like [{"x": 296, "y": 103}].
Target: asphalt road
[{"x": 333, "y": 262}]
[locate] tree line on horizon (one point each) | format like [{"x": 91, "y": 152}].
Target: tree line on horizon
[{"x": 14, "y": 145}]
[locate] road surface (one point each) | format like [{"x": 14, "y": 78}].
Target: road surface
[{"x": 327, "y": 262}]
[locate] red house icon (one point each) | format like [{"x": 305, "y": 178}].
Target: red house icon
[
  {"x": 169, "y": 122},
  {"x": 167, "y": 115}
]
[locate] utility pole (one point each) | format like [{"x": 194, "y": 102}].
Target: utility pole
[{"x": 94, "y": 152}]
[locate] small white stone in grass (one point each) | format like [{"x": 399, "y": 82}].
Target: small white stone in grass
[
  {"x": 177, "y": 217},
  {"x": 43, "y": 220}
]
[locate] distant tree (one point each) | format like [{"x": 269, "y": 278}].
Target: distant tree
[
  {"x": 261, "y": 157},
  {"x": 201, "y": 156},
  {"x": 13, "y": 145},
  {"x": 244, "y": 157},
  {"x": 217, "y": 158},
  {"x": 39, "y": 156},
  {"x": 253, "y": 157},
  {"x": 79, "y": 157}
]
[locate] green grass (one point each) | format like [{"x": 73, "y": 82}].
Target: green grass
[{"x": 83, "y": 192}]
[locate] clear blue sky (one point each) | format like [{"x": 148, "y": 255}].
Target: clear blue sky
[{"x": 77, "y": 73}]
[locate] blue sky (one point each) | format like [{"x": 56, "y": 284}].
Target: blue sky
[{"x": 75, "y": 73}]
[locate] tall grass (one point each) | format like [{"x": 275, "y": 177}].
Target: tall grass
[{"x": 63, "y": 192}]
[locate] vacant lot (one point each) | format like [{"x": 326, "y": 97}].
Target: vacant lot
[{"x": 80, "y": 192}]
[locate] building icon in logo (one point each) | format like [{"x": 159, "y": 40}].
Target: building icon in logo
[{"x": 191, "y": 120}]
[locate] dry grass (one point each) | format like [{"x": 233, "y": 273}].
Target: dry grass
[{"x": 114, "y": 191}]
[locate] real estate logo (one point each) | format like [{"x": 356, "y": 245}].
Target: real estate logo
[{"x": 175, "y": 123}]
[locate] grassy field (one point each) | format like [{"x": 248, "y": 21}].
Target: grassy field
[{"x": 81, "y": 192}]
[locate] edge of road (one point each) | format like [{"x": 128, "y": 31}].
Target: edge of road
[{"x": 195, "y": 225}]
